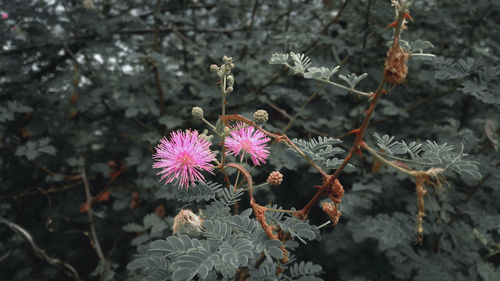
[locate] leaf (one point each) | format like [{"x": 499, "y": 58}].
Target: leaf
[
  {"x": 201, "y": 191},
  {"x": 386, "y": 144},
  {"x": 390, "y": 231},
  {"x": 420, "y": 45},
  {"x": 278, "y": 58},
  {"x": 300, "y": 63},
  {"x": 321, "y": 151},
  {"x": 323, "y": 73},
  {"x": 197, "y": 261},
  {"x": 173, "y": 246},
  {"x": 479, "y": 89},
  {"x": 305, "y": 270},
  {"x": 352, "y": 79},
  {"x": 237, "y": 253},
  {"x": 133, "y": 227},
  {"x": 300, "y": 229}
]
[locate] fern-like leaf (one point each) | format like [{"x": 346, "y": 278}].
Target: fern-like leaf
[
  {"x": 305, "y": 271},
  {"x": 198, "y": 261},
  {"x": 322, "y": 73},
  {"x": 199, "y": 192},
  {"x": 300, "y": 229},
  {"x": 300, "y": 63},
  {"x": 322, "y": 151}
]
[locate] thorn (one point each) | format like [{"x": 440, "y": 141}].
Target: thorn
[
  {"x": 355, "y": 131},
  {"x": 406, "y": 15},
  {"x": 393, "y": 24}
]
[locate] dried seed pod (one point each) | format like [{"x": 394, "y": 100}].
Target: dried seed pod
[{"x": 395, "y": 69}]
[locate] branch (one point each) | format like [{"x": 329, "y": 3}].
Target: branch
[
  {"x": 94, "y": 238},
  {"x": 68, "y": 269}
]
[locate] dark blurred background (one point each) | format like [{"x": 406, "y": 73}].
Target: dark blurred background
[{"x": 90, "y": 86}]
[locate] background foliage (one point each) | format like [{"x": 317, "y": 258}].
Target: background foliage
[{"x": 89, "y": 87}]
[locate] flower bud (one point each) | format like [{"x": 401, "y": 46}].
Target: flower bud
[
  {"x": 197, "y": 112},
  {"x": 230, "y": 80},
  {"x": 260, "y": 117},
  {"x": 229, "y": 90},
  {"x": 275, "y": 178},
  {"x": 214, "y": 68}
]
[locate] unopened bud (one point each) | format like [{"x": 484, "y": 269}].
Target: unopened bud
[
  {"x": 227, "y": 130},
  {"x": 260, "y": 117},
  {"x": 197, "y": 112},
  {"x": 229, "y": 90},
  {"x": 214, "y": 68},
  {"x": 275, "y": 178},
  {"x": 227, "y": 59},
  {"x": 230, "y": 80}
]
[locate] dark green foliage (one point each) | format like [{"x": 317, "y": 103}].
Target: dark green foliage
[{"x": 79, "y": 89}]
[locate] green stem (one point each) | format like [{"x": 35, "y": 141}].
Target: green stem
[
  {"x": 208, "y": 124},
  {"x": 257, "y": 186},
  {"x": 281, "y": 211},
  {"x": 238, "y": 174},
  {"x": 385, "y": 161}
]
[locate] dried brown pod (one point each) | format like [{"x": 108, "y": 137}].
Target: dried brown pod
[{"x": 395, "y": 68}]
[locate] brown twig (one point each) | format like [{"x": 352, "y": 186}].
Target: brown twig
[
  {"x": 94, "y": 238},
  {"x": 292, "y": 120},
  {"x": 68, "y": 269},
  {"x": 329, "y": 181}
]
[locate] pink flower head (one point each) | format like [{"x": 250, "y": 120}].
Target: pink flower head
[
  {"x": 248, "y": 140},
  {"x": 182, "y": 157},
  {"x": 5, "y": 15}
]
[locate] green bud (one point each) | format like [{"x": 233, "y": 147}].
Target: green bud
[
  {"x": 260, "y": 117},
  {"x": 197, "y": 112}
]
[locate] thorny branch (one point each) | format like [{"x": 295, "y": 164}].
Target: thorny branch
[{"x": 329, "y": 181}]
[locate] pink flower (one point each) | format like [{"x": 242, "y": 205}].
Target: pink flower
[
  {"x": 248, "y": 140},
  {"x": 5, "y": 15},
  {"x": 182, "y": 157}
]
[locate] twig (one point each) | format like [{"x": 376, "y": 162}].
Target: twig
[
  {"x": 68, "y": 269},
  {"x": 329, "y": 181},
  {"x": 308, "y": 48},
  {"x": 292, "y": 120},
  {"x": 94, "y": 238}
]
